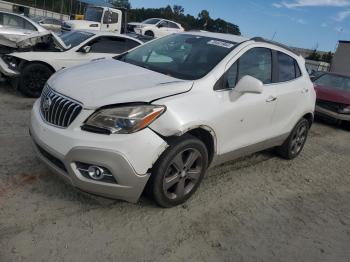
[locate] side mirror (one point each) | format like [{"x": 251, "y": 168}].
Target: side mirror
[
  {"x": 249, "y": 84},
  {"x": 160, "y": 25},
  {"x": 86, "y": 49}
]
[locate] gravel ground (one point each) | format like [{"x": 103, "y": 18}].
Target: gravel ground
[{"x": 259, "y": 208}]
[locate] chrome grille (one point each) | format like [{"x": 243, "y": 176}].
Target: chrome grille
[{"x": 57, "y": 109}]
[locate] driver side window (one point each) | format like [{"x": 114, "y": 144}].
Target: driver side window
[{"x": 257, "y": 62}]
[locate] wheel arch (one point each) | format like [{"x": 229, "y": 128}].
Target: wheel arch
[
  {"x": 26, "y": 63},
  {"x": 310, "y": 118},
  {"x": 204, "y": 134}
]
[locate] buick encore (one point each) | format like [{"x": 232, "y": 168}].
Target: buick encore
[{"x": 157, "y": 117}]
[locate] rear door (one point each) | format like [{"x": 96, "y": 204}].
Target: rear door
[
  {"x": 173, "y": 28},
  {"x": 291, "y": 93},
  {"x": 162, "y": 29}
]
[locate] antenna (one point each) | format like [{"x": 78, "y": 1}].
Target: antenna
[{"x": 274, "y": 34}]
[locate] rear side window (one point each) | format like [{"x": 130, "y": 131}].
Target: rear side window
[
  {"x": 29, "y": 26},
  {"x": 288, "y": 68},
  {"x": 130, "y": 44},
  {"x": 172, "y": 25},
  {"x": 113, "y": 45},
  {"x": 12, "y": 21}
]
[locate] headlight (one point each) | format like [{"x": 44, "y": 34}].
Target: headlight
[
  {"x": 125, "y": 120},
  {"x": 345, "y": 110},
  {"x": 11, "y": 61}
]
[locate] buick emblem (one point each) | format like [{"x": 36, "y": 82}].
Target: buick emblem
[{"x": 47, "y": 103}]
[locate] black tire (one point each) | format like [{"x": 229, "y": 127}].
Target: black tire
[
  {"x": 166, "y": 171},
  {"x": 295, "y": 142},
  {"x": 33, "y": 78},
  {"x": 149, "y": 33}
]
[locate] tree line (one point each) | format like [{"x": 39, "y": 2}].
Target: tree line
[
  {"x": 316, "y": 56},
  {"x": 202, "y": 21}
]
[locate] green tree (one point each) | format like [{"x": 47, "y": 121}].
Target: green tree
[
  {"x": 178, "y": 10},
  {"x": 327, "y": 57},
  {"x": 123, "y": 4},
  {"x": 314, "y": 56}
]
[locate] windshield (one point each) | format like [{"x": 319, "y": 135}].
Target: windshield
[
  {"x": 74, "y": 38},
  {"x": 182, "y": 56},
  {"x": 151, "y": 21},
  {"x": 93, "y": 14},
  {"x": 334, "y": 81}
]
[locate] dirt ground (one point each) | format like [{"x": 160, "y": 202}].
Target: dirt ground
[{"x": 260, "y": 208}]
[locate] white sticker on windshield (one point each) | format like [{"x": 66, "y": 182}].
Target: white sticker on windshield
[{"x": 220, "y": 43}]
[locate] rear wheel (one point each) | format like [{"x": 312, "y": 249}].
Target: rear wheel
[
  {"x": 33, "y": 79},
  {"x": 179, "y": 171},
  {"x": 294, "y": 144}
]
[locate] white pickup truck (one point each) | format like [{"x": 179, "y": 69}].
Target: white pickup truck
[{"x": 97, "y": 18}]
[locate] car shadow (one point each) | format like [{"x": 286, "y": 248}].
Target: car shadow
[{"x": 343, "y": 125}]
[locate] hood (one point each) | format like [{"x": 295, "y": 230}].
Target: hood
[
  {"x": 332, "y": 94},
  {"x": 110, "y": 81},
  {"x": 81, "y": 24}
]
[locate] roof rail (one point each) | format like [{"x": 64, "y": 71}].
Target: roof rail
[{"x": 263, "y": 40}]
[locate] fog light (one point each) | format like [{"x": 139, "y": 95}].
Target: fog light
[{"x": 96, "y": 172}]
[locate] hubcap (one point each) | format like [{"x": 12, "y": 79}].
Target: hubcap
[
  {"x": 183, "y": 174},
  {"x": 298, "y": 139}
]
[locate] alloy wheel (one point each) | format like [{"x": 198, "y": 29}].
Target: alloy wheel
[
  {"x": 298, "y": 139},
  {"x": 183, "y": 174}
]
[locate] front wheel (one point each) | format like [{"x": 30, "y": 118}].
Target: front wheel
[
  {"x": 179, "y": 171},
  {"x": 33, "y": 79},
  {"x": 149, "y": 33},
  {"x": 294, "y": 144}
]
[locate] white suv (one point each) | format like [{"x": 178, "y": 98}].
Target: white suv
[
  {"x": 164, "y": 112},
  {"x": 156, "y": 27}
]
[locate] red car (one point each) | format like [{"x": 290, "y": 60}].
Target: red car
[{"x": 333, "y": 96}]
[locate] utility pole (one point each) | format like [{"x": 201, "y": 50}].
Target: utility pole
[{"x": 62, "y": 2}]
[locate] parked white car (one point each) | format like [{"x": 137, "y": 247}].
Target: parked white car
[
  {"x": 14, "y": 27},
  {"x": 33, "y": 68},
  {"x": 156, "y": 27},
  {"x": 164, "y": 112}
]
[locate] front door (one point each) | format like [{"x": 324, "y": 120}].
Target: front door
[{"x": 247, "y": 117}]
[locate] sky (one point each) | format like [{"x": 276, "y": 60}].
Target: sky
[{"x": 299, "y": 23}]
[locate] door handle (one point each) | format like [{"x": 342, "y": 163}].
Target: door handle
[{"x": 271, "y": 99}]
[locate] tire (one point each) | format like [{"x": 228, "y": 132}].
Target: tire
[
  {"x": 149, "y": 33},
  {"x": 294, "y": 144},
  {"x": 33, "y": 79},
  {"x": 172, "y": 181}
]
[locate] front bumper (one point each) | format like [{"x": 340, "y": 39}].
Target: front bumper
[
  {"x": 127, "y": 157},
  {"x": 322, "y": 111}
]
